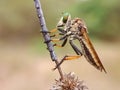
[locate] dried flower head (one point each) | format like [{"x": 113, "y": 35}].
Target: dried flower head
[{"x": 69, "y": 82}]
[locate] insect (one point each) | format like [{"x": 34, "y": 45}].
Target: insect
[{"x": 75, "y": 29}]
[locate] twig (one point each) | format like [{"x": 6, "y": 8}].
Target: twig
[{"x": 46, "y": 35}]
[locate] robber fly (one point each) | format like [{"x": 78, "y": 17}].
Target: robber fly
[{"x": 75, "y": 29}]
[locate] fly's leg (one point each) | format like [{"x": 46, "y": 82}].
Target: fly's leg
[
  {"x": 75, "y": 48},
  {"x": 66, "y": 57},
  {"x": 53, "y": 30},
  {"x": 60, "y": 33},
  {"x": 62, "y": 45},
  {"x": 64, "y": 38},
  {"x": 60, "y": 29},
  {"x": 54, "y": 35}
]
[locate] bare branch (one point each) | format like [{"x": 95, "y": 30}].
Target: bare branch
[{"x": 46, "y": 34}]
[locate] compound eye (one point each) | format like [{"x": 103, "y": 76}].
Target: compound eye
[{"x": 65, "y": 17}]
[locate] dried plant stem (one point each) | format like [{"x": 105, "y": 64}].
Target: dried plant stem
[
  {"x": 70, "y": 82},
  {"x": 46, "y": 35}
]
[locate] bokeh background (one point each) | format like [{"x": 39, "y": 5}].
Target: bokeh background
[{"x": 25, "y": 63}]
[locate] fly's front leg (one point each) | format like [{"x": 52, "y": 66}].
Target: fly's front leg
[
  {"x": 64, "y": 38},
  {"x": 60, "y": 29},
  {"x": 62, "y": 45},
  {"x": 61, "y": 32},
  {"x": 54, "y": 35},
  {"x": 53, "y": 30}
]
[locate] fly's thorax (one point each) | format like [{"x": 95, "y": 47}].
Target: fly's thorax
[
  {"x": 76, "y": 27},
  {"x": 78, "y": 24}
]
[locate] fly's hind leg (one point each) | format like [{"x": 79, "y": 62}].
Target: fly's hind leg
[
  {"x": 75, "y": 48},
  {"x": 66, "y": 57}
]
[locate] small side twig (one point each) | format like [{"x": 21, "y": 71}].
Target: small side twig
[{"x": 46, "y": 35}]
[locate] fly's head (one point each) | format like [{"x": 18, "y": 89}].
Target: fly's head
[{"x": 65, "y": 19}]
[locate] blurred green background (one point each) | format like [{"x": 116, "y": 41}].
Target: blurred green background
[{"x": 24, "y": 60}]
